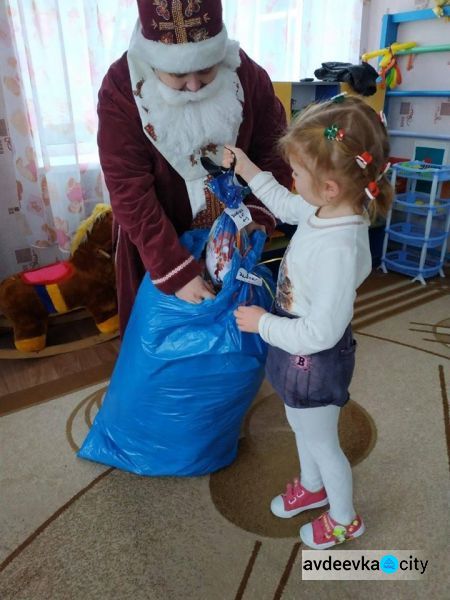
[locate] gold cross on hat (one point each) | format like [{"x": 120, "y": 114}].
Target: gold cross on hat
[{"x": 179, "y": 24}]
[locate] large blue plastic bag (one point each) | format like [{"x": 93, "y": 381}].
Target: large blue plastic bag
[{"x": 184, "y": 378}]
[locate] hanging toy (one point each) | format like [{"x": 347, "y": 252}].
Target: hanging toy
[{"x": 390, "y": 75}]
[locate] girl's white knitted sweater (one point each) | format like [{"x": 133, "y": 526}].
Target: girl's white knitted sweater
[{"x": 324, "y": 264}]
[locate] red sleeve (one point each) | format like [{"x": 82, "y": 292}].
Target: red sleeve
[
  {"x": 269, "y": 123},
  {"x": 128, "y": 168}
]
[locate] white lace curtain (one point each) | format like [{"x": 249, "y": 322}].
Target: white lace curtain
[
  {"x": 53, "y": 55},
  {"x": 291, "y": 38}
]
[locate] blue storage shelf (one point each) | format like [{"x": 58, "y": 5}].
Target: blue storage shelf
[
  {"x": 423, "y": 237},
  {"x": 406, "y": 262},
  {"x": 426, "y": 214},
  {"x": 416, "y": 169},
  {"x": 414, "y": 235},
  {"x": 418, "y": 203}
]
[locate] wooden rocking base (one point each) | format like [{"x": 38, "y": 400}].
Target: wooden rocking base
[{"x": 57, "y": 330}]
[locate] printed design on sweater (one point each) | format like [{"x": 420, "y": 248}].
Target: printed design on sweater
[{"x": 285, "y": 295}]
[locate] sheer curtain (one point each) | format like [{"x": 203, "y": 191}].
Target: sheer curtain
[
  {"x": 269, "y": 31},
  {"x": 291, "y": 38},
  {"x": 54, "y": 53},
  {"x": 331, "y": 31}
]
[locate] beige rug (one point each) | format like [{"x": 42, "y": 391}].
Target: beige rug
[{"x": 70, "y": 529}]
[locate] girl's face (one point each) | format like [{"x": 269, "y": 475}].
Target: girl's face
[
  {"x": 323, "y": 192},
  {"x": 304, "y": 183}
]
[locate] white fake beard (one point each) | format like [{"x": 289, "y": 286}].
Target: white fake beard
[{"x": 186, "y": 121}]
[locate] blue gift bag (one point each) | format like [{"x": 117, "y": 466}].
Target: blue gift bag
[{"x": 185, "y": 376}]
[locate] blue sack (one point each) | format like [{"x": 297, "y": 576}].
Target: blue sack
[
  {"x": 184, "y": 378},
  {"x": 228, "y": 190},
  {"x": 224, "y": 183}
]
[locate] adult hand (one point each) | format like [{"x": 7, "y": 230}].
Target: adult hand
[
  {"x": 247, "y": 318},
  {"x": 195, "y": 291},
  {"x": 243, "y": 167}
]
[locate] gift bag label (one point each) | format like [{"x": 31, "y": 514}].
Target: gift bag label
[
  {"x": 247, "y": 277},
  {"x": 240, "y": 215}
]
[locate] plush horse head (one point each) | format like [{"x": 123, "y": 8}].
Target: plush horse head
[
  {"x": 86, "y": 280},
  {"x": 92, "y": 246}
]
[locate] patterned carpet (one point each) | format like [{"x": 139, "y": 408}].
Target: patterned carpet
[{"x": 70, "y": 529}]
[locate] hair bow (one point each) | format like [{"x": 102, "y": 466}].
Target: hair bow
[{"x": 333, "y": 132}]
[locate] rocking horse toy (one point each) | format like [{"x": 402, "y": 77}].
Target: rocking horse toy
[{"x": 87, "y": 280}]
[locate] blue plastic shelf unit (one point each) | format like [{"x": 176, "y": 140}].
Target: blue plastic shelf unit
[{"x": 424, "y": 224}]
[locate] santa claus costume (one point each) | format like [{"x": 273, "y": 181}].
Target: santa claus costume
[{"x": 151, "y": 138}]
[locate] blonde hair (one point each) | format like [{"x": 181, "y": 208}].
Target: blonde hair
[{"x": 363, "y": 131}]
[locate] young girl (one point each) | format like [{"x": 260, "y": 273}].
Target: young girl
[{"x": 338, "y": 152}]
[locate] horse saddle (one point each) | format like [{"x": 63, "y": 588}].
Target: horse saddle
[
  {"x": 45, "y": 281},
  {"x": 48, "y": 275}
]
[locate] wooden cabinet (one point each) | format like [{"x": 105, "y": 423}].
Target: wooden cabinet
[{"x": 296, "y": 95}]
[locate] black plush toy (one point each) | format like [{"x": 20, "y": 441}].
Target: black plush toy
[{"x": 362, "y": 78}]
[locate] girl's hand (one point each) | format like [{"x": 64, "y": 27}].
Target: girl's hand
[
  {"x": 247, "y": 318},
  {"x": 244, "y": 166}
]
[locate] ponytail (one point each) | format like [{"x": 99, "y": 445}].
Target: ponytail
[{"x": 380, "y": 204}]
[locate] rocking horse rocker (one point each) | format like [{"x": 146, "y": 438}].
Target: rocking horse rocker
[{"x": 87, "y": 280}]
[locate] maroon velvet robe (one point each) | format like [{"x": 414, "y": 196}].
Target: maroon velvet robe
[{"x": 149, "y": 199}]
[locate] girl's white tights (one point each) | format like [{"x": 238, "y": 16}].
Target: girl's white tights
[{"x": 322, "y": 462}]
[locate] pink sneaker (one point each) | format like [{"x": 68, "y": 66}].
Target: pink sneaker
[
  {"x": 296, "y": 499},
  {"x": 324, "y": 532}
]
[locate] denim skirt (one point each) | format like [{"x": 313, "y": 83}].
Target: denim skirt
[{"x": 320, "y": 379}]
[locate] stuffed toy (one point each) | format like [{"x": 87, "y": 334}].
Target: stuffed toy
[
  {"x": 361, "y": 78},
  {"x": 87, "y": 280}
]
